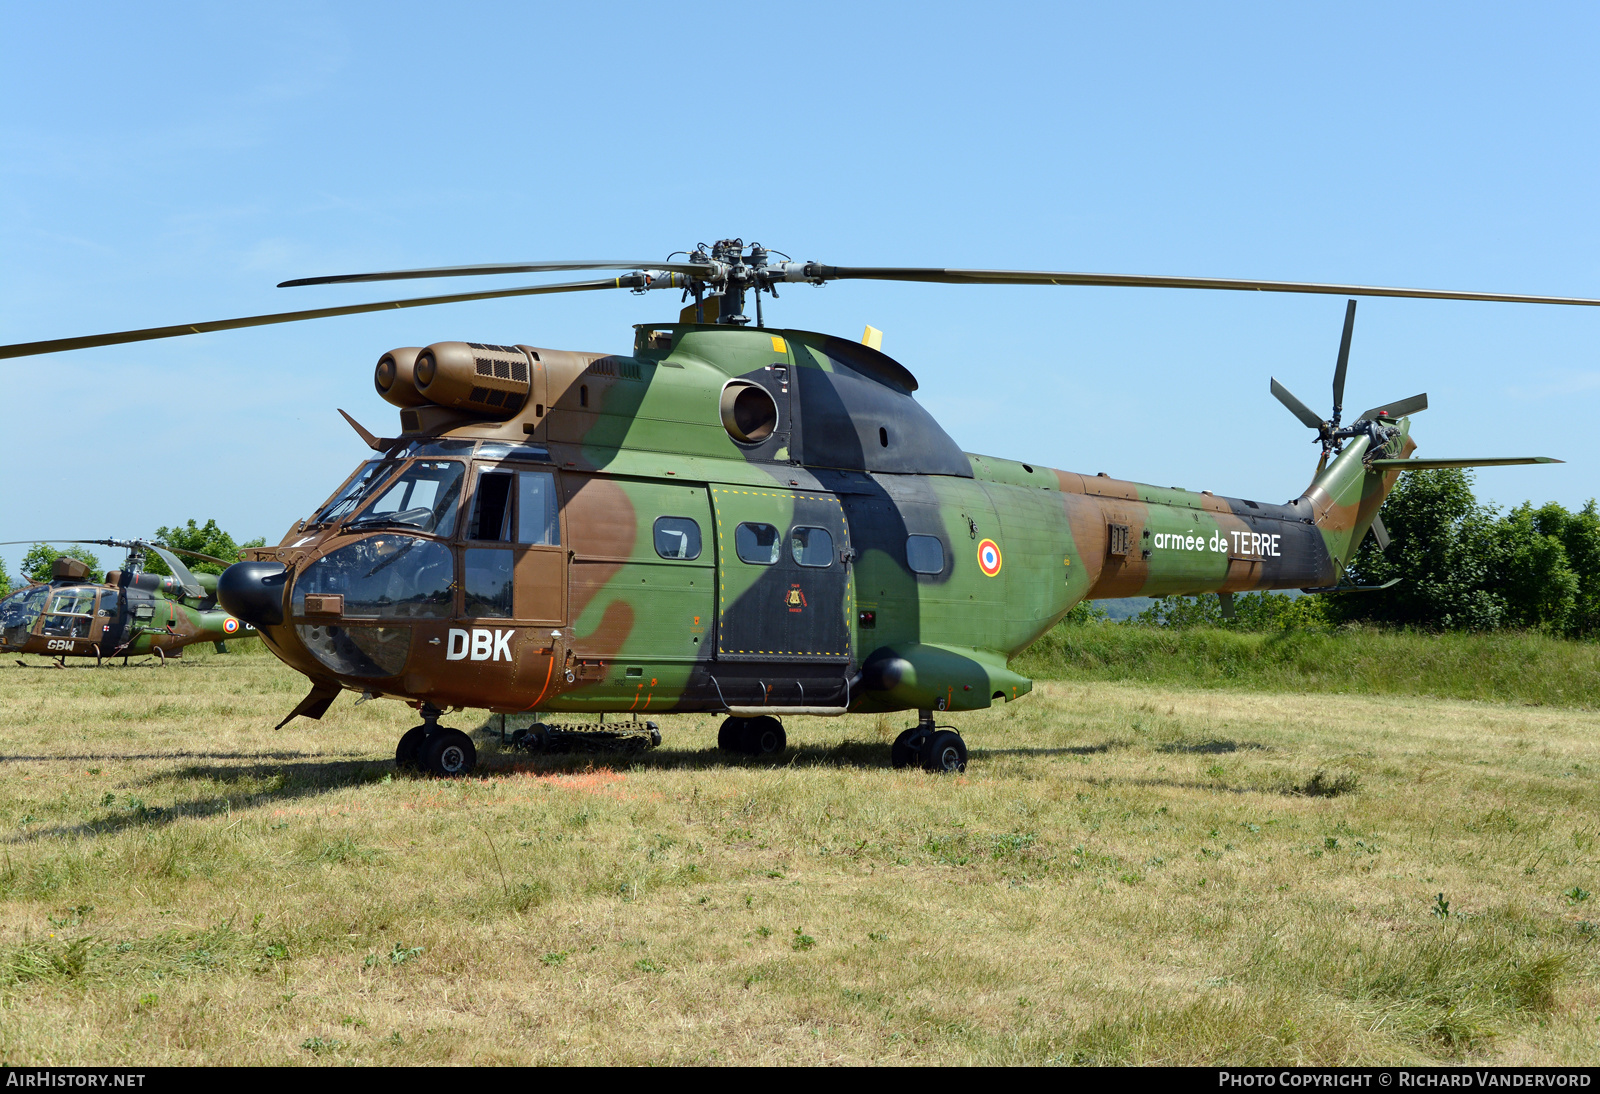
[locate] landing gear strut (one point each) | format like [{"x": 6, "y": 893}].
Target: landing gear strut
[
  {"x": 434, "y": 749},
  {"x": 763, "y": 736},
  {"x": 929, "y": 747}
]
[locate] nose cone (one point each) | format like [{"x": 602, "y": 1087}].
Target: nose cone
[{"x": 253, "y": 591}]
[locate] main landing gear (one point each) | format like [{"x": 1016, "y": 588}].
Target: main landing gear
[
  {"x": 434, "y": 749},
  {"x": 929, "y": 747},
  {"x": 763, "y": 736}
]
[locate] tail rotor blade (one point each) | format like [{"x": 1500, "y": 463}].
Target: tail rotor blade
[
  {"x": 1296, "y": 407},
  {"x": 1399, "y": 408},
  {"x": 1344, "y": 360},
  {"x": 1380, "y": 533}
]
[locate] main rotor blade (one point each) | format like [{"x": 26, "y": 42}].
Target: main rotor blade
[
  {"x": 499, "y": 268},
  {"x": 1399, "y": 408},
  {"x": 820, "y": 272},
  {"x": 190, "y": 586},
  {"x": 1344, "y": 360},
  {"x": 1433, "y": 465},
  {"x": 56, "y": 345},
  {"x": 1296, "y": 407}
]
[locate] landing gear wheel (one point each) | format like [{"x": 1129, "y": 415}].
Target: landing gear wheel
[
  {"x": 945, "y": 752},
  {"x": 450, "y": 753},
  {"x": 763, "y": 736},
  {"x": 731, "y": 733},
  {"x": 907, "y": 748},
  {"x": 536, "y": 738},
  {"x": 408, "y": 753}
]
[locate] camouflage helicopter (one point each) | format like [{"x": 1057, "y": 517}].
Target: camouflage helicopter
[
  {"x": 131, "y": 613},
  {"x": 741, "y": 519}
]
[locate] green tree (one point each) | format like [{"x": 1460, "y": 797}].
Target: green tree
[
  {"x": 1445, "y": 549},
  {"x": 1579, "y": 535},
  {"x": 5, "y": 579},
  {"x": 1085, "y": 611},
  {"x": 1251, "y": 612},
  {"x": 36, "y": 563},
  {"x": 208, "y": 539},
  {"x": 1532, "y": 574}
]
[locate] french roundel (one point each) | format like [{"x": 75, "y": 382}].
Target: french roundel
[
  {"x": 230, "y": 625},
  {"x": 989, "y": 557}
]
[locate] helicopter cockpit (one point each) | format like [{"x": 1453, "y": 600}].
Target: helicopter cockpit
[
  {"x": 66, "y": 611},
  {"x": 353, "y": 608}
]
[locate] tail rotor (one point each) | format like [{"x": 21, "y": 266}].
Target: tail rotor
[{"x": 1330, "y": 434}]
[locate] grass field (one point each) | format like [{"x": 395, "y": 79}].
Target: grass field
[{"x": 1128, "y": 873}]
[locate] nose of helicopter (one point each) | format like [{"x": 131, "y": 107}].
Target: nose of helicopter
[{"x": 253, "y": 591}]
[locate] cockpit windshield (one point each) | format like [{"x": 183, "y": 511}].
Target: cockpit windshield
[
  {"x": 344, "y": 502},
  {"x": 18, "y": 612},
  {"x": 424, "y": 497}
]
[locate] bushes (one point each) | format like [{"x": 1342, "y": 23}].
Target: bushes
[
  {"x": 1507, "y": 666},
  {"x": 1465, "y": 566}
]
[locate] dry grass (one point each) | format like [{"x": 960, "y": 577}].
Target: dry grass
[{"x": 1127, "y": 874}]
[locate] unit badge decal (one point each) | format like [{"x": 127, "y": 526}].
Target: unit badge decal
[{"x": 795, "y": 599}]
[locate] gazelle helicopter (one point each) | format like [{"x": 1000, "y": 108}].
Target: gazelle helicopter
[
  {"x": 131, "y": 613},
  {"x": 742, "y": 519}
]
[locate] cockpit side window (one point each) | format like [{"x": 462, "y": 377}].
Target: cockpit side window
[
  {"x": 70, "y": 613},
  {"x": 491, "y": 509},
  {"x": 516, "y": 507}
]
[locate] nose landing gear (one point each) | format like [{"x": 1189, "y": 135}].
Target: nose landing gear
[
  {"x": 435, "y": 750},
  {"x": 929, "y": 747}
]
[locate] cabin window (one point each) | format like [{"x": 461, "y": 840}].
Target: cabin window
[
  {"x": 488, "y": 585},
  {"x": 924, "y": 555},
  {"x": 109, "y": 602},
  {"x": 756, "y": 543},
  {"x": 677, "y": 537},
  {"x": 811, "y": 547}
]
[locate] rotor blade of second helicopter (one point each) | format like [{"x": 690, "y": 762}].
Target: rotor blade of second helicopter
[
  {"x": 117, "y": 543},
  {"x": 1044, "y": 277},
  {"x": 56, "y": 345},
  {"x": 190, "y": 586}
]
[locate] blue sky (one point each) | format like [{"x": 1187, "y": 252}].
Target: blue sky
[{"x": 172, "y": 163}]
